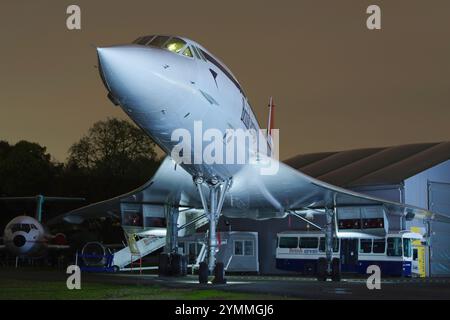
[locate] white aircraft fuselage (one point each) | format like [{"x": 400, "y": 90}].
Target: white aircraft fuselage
[
  {"x": 167, "y": 83},
  {"x": 25, "y": 236}
]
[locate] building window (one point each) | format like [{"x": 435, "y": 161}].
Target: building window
[
  {"x": 243, "y": 248},
  {"x": 248, "y": 247},
  {"x": 238, "y": 248}
]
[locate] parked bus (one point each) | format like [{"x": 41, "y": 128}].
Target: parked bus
[{"x": 299, "y": 251}]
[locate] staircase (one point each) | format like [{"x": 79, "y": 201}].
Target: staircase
[{"x": 144, "y": 246}]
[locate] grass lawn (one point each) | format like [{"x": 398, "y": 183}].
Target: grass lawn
[{"x": 24, "y": 289}]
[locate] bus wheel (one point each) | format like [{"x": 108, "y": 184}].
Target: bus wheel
[
  {"x": 336, "y": 270},
  {"x": 322, "y": 269}
]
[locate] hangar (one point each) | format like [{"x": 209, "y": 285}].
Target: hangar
[{"x": 416, "y": 174}]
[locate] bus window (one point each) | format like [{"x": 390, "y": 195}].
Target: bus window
[
  {"x": 365, "y": 245},
  {"x": 379, "y": 246},
  {"x": 288, "y": 242},
  {"x": 322, "y": 245},
  {"x": 309, "y": 243},
  {"x": 394, "y": 247},
  {"x": 407, "y": 248}
]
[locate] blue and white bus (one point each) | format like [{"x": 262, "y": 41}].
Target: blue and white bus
[{"x": 299, "y": 251}]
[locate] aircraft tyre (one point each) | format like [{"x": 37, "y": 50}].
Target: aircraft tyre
[
  {"x": 164, "y": 265},
  {"x": 203, "y": 273},
  {"x": 336, "y": 269},
  {"x": 176, "y": 265},
  {"x": 219, "y": 274},
  {"x": 322, "y": 269}
]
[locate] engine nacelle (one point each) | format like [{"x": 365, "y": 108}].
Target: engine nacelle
[{"x": 95, "y": 254}]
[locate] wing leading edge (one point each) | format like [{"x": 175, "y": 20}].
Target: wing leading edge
[{"x": 251, "y": 195}]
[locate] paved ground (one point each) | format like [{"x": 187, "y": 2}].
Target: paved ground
[{"x": 290, "y": 287}]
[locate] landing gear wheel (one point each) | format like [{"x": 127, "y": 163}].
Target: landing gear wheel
[
  {"x": 336, "y": 270},
  {"x": 164, "y": 265},
  {"x": 203, "y": 273},
  {"x": 219, "y": 274},
  {"x": 322, "y": 266},
  {"x": 176, "y": 266}
]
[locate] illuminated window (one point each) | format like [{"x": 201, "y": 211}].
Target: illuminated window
[
  {"x": 187, "y": 52},
  {"x": 175, "y": 45}
]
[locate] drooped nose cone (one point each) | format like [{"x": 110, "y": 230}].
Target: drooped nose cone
[{"x": 139, "y": 78}]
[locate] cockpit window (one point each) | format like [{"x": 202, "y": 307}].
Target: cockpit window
[
  {"x": 194, "y": 50},
  {"x": 175, "y": 45},
  {"x": 159, "y": 41},
  {"x": 187, "y": 52},
  {"x": 25, "y": 227},
  {"x": 143, "y": 40}
]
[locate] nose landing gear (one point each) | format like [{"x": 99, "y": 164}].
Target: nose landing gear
[{"x": 217, "y": 192}]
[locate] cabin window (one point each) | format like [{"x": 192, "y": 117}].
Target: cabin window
[
  {"x": 394, "y": 247},
  {"x": 407, "y": 248},
  {"x": 159, "y": 41},
  {"x": 379, "y": 246},
  {"x": 175, "y": 45},
  {"x": 309, "y": 243},
  {"x": 365, "y": 245},
  {"x": 288, "y": 242},
  {"x": 243, "y": 248}
]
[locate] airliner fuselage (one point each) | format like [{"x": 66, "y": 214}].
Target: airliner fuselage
[{"x": 170, "y": 83}]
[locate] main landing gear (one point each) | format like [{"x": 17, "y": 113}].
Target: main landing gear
[
  {"x": 172, "y": 263},
  {"x": 217, "y": 191},
  {"x": 329, "y": 266}
]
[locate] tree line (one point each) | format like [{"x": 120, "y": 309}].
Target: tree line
[{"x": 113, "y": 158}]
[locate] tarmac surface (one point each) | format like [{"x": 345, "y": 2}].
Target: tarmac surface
[{"x": 280, "y": 286}]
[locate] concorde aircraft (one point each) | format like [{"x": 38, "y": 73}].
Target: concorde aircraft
[{"x": 170, "y": 85}]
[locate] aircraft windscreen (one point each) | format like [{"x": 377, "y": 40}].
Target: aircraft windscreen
[
  {"x": 25, "y": 227},
  {"x": 175, "y": 45}
]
